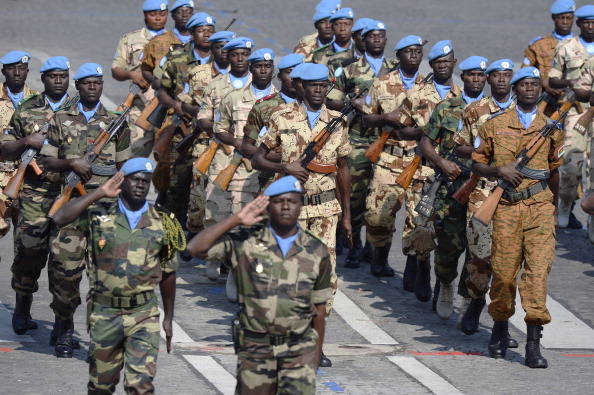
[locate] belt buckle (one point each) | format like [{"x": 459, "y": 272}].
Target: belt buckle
[
  {"x": 133, "y": 301},
  {"x": 277, "y": 340},
  {"x": 317, "y": 199}
]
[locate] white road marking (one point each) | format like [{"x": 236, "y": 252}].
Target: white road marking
[
  {"x": 424, "y": 375},
  {"x": 359, "y": 321},
  {"x": 179, "y": 335},
  {"x": 6, "y": 333},
  {"x": 213, "y": 372}
]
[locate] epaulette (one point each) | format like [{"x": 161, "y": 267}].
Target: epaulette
[
  {"x": 66, "y": 107},
  {"x": 494, "y": 115},
  {"x": 535, "y": 40},
  {"x": 164, "y": 210},
  {"x": 315, "y": 236},
  {"x": 349, "y": 61},
  {"x": 27, "y": 99},
  {"x": 321, "y": 48},
  {"x": 265, "y": 98}
]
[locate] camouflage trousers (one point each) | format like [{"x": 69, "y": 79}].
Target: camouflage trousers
[
  {"x": 197, "y": 203},
  {"x": 31, "y": 240},
  {"x": 361, "y": 171},
  {"x": 180, "y": 179},
  {"x": 384, "y": 201},
  {"x": 526, "y": 234},
  {"x": 142, "y": 140},
  {"x": 450, "y": 231},
  {"x": 574, "y": 160},
  {"x": 221, "y": 204},
  {"x": 289, "y": 368},
  {"x": 325, "y": 229},
  {"x": 126, "y": 339}
]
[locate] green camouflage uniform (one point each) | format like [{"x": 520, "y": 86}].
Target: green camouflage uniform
[
  {"x": 124, "y": 263},
  {"x": 357, "y": 77},
  {"x": 523, "y": 231},
  {"x": 276, "y": 297},
  {"x": 68, "y": 137},
  {"x": 32, "y": 230},
  {"x": 289, "y": 129},
  {"x": 323, "y": 54},
  {"x": 128, "y": 56},
  {"x": 306, "y": 45},
  {"x": 450, "y": 215}
]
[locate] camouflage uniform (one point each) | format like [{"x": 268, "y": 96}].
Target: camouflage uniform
[
  {"x": 128, "y": 56},
  {"x": 124, "y": 263},
  {"x": 357, "y": 77},
  {"x": 32, "y": 230},
  {"x": 306, "y": 45},
  {"x": 289, "y": 129},
  {"x": 323, "y": 54},
  {"x": 276, "y": 298},
  {"x": 523, "y": 231},
  {"x": 68, "y": 137},
  {"x": 450, "y": 215},
  {"x": 540, "y": 53},
  {"x": 339, "y": 58},
  {"x": 155, "y": 51}
]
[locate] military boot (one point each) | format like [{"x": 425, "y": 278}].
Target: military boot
[
  {"x": 534, "y": 359},
  {"x": 325, "y": 362},
  {"x": 564, "y": 213},
  {"x": 410, "y": 274},
  {"x": 353, "y": 258},
  {"x": 21, "y": 317},
  {"x": 64, "y": 347},
  {"x": 367, "y": 254},
  {"x": 511, "y": 342},
  {"x": 379, "y": 264},
  {"x": 54, "y": 336},
  {"x": 470, "y": 320},
  {"x": 445, "y": 301},
  {"x": 498, "y": 343},
  {"x": 423, "y": 281},
  {"x": 436, "y": 290}
]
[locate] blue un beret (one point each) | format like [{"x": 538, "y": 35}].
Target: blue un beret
[
  {"x": 585, "y": 12},
  {"x": 290, "y": 60},
  {"x": 88, "y": 70},
  {"x": 55, "y": 63},
  {"x": 371, "y": 26},
  {"x": 314, "y": 72},
  {"x": 563, "y": 7},
  {"x": 474, "y": 63},
  {"x": 408, "y": 41},
  {"x": 501, "y": 64},
  {"x": 332, "y": 4},
  {"x": 525, "y": 72},
  {"x": 284, "y": 185},
  {"x": 135, "y": 165},
  {"x": 16, "y": 57},
  {"x": 223, "y": 36},
  {"x": 200, "y": 19},
  {"x": 154, "y": 5},
  {"x": 296, "y": 73},
  {"x": 440, "y": 49},
  {"x": 182, "y": 3},
  {"x": 360, "y": 24},
  {"x": 239, "y": 42},
  {"x": 343, "y": 13},
  {"x": 261, "y": 55},
  {"x": 323, "y": 13}
]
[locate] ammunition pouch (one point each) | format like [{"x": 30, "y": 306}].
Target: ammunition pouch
[{"x": 398, "y": 151}]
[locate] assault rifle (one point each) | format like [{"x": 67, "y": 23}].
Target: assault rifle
[{"x": 166, "y": 136}]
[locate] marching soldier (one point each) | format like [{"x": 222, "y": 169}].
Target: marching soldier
[
  {"x": 324, "y": 34},
  {"x": 355, "y": 51},
  {"x": 342, "y": 22}
]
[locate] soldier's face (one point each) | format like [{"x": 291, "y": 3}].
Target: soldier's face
[
  {"x": 16, "y": 73},
  {"x": 155, "y": 20},
  {"x": 262, "y": 73},
  {"x": 286, "y": 80},
  {"x": 375, "y": 42},
  {"x": 181, "y": 16},
  {"x": 201, "y": 34},
  {"x": 324, "y": 28},
  {"x": 563, "y": 23},
  {"x": 284, "y": 209},
  {"x": 90, "y": 89},
  {"x": 238, "y": 60},
  {"x": 586, "y": 28},
  {"x": 136, "y": 187},
  {"x": 527, "y": 91},
  {"x": 474, "y": 81},
  {"x": 499, "y": 81},
  {"x": 315, "y": 92},
  {"x": 55, "y": 81},
  {"x": 221, "y": 56},
  {"x": 410, "y": 57},
  {"x": 443, "y": 67},
  {"x": 342, "y": 30}
]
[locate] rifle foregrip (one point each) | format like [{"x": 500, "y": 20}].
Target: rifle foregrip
[
  {"x": 13, "y": 186},
  {"x": 35, "y": 166},
  {"x": 224, "y": 178},
  {"x": 60, "y": 201},
  {"x": 203, "y": 162},
  {"x": 405, "y": 178}
]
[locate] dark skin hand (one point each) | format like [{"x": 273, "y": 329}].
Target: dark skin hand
[
  {"x": 342, "y": 32},
  {"x": 325, "y": 32},
  {"x": 15, "y": 75}
]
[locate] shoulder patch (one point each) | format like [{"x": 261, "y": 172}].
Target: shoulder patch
[
  {"x": 265, "y": 98},
  {"x": 315, "y": 236},
  {"x": 348, "y": 61},
  {"x": 535, "y": 40}
]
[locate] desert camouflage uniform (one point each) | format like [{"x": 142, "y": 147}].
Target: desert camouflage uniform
[
  {"x": 123, "y": 263},
  {"x": 570, "y": 56},
  {"x": 323, "y": 54},
  {"x": 289, "y": 129},
  {"x": 306, "y": 45},
  {"x": 523, "y": 231},
  {"x": 156, "y": 50},
  {"x": 32, "y": 230},
  {"x": 129, "y": 55},
  {"x": 450, "y": 215},
  {"x": 540, "y": 53},
  {"x": 357, "y": 77},
  {"x": 68, "y": 137},
  {"x": 276, "y": 297}
]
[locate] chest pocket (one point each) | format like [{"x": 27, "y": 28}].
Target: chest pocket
[
  {"x": 505, "y": 147},
  {"x": 103, "y": 243},
  {"x": 293, "y": 144},
  {"x": 136, "y": 51},
  {"x": 240, "y": 116},
  {"x": 573, "y": 66},
  {"x": 450, "y": 125}
]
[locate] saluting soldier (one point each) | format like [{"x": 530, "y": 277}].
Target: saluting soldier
[
  {"x": 324, "y": 34},
  {"x": 342, "y": 22}
]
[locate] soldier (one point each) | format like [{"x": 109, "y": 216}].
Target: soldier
[
  {"x": 292, "y": 128},
  {"x": 410, "y": 119},
  {"x": 126, "y": 66},
  {"x": 524, "y": 222},
  {"x": 15, "y": 68},
  {"x": 279, "y": 351},
  {"x": 355, "y": 51},
  {"x": 70, "y": 132},
  {"x": 385, "y": 195},
  {"x": 342, "y": 23},
  {"x": 450, "y": 215},
  {"x": 123, "y": 272},
  {"x": 570, "y": 56},
  {"x": 32, "y": 229},
  {"x": 357, "y": 77},
  {"x": 324, "y": 34},
  {"x": 540, "y": 51}
]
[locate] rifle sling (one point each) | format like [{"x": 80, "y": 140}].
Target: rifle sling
[{"x": 525, "y": 193}]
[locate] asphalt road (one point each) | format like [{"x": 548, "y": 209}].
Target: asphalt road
[{"x": 381, "y": 339}]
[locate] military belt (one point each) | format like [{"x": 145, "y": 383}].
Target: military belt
[
  {"x": 319, "y": 198},
  {"x": 525, "y": 193},
  {"x": 273, "y": 340},
  {"x": 398, "y": 151},
  {"x": 124, "y": 302},
  {"x": 7, "y": 166},
  {"x": 105, "y": 171}
]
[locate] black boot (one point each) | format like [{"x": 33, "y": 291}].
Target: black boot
[
  {"x": 534, "y": 359},
  {"x": 511, "y": 342},
  {"x": 353, "y": 258},
  {"x": 63, "y": 347},
  {"x": 21, "y": 317},
  {"x": 498, "y": 343},
  {"x": 436, "y": 290},
  {"x": 379, "y": 264},
  {"x": 470, "y": 321},
  {"x": 367, "y": 254},
  {"x": 423, "y": 282},
  {"x": 410, "y": 274},
  {"x": 54, "y": 336},
  {"x": 324, "y": 361},
  {"x": 574, "y": 223}
]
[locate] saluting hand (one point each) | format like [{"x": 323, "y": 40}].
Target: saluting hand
[
  {"x": 111, "y": 188},
  {"x": 251, "y": 213}
]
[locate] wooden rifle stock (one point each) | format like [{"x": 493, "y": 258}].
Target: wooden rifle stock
[
  {"x": 405, "y": 178},
  {"x": 127, "y": 103},
  {"x": 142, "y": 121},
  {"x": 374, "y": 151},
  {"x": 13, "y": 186},
  {"x": 462, "y": 194},
  {"x": 224, "y": 178},
  {"x": 203, "y": 162}
]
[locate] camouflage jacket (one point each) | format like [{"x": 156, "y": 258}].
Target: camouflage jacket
[
  {"x": 473, "y": 116},
  {"x": 124, "y": 262},
  {"x": 276, "y": 294},
  {"x": 306, "y": 46},
  {"x": 339, "y": 58},
  {"x": 180, "y": 64},
  {"x": 156, "y": 49},
  {"x": 6, "y": 106},
  {"x": 323, "y": 54},
  {"x": 421, "y": 101},
  {"x": 213, "y": 94},
  {"x": 199, "y": 78},
  {"x": 503, "y": 136},
  {"x": 69, "y": 136},
  {"x": 586, "y": 80},
  {"x": 258, "y": 119},
  {"x": 289, "y": 129},
  {"x": 540, "y": 53}
]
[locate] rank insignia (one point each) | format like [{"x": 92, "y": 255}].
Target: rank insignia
[{"x": 101, "y": 243}]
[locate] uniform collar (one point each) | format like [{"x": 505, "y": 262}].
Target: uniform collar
[
  {"x": 145, "y": 221},
  {"x": 26, "y": 92},
  {"x": 302, "y": 113},
  {"x": 267, "y": 238},
  {"x": 101, "y": 111},
  {"x": 514, "y": 122}
]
